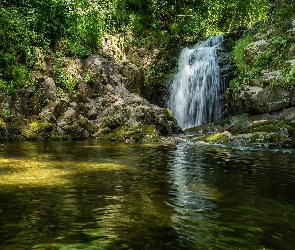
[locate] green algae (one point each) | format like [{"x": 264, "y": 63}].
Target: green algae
[{"x": 44, "y": 171}]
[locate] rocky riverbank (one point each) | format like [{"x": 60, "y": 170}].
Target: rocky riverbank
[
  {"x": 275, "y": 129},
  {"x": 94, "y": 103},
  {"x": 260, "y": 100},
  {"x": 100, "y": 96}
]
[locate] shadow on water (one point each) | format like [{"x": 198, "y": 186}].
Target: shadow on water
[
  {"x": 257, "y": 203},
  {"x": 93, "y": 195}
]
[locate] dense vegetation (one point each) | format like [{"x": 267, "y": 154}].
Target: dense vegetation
[
  {"x": 31, "y": 28},
  {"x": 254, "y": 53}
]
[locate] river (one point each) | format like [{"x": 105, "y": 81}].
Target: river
[{"x": 96, "y": 195}]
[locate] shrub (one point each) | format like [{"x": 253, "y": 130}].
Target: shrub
[{"x": 238, "y": 52}]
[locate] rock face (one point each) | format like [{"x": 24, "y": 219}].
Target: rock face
[
  {"x": 257, "y": 100},
  {"x": 267, "y": 73},
  {"x": 261, "y": 99},
  {"x": 226, "y": 65},
  {"x": 93, "y": 102}
]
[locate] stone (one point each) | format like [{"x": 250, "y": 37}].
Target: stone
[
  {"x": 291, "y": 62},
  {"x": 48, "y": 88},
  {"x": 101, "y": 106},
  {"x": 253, "y": 49},
  {"x": 26, "y": 102},
  {"x": 254, "y": 82},
  {"x": 272, "y": 98},
  {"x": 272, "y": 77},
  {"x": 59, "y": 107}
]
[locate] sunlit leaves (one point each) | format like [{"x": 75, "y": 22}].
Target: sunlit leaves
[{"x": 81, "y": 25}]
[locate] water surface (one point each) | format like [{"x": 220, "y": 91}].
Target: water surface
[{"x": 94, "y": 195}]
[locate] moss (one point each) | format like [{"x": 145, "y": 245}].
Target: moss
[
  {"x": 204, "y": 129},
  {"x": 2, "y": 124},
  {"x": 170, "y": 113},
  {"x": 214, "y": 138},
  {"x": 84, "y": 123},
  {"x": 37, "y": 130},
  {"x": 135, "y": 133},
  {"x": 3, "y": 129},
  {"x": 271, "y": 139},
  {"x": 255, "y": 138},
  {"x": 268, "y": 127}
]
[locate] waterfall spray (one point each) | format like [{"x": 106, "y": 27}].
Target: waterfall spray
[{"x": 196, "y": 89}]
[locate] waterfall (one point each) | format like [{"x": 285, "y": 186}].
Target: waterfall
[{"x": 195, "y": 95}]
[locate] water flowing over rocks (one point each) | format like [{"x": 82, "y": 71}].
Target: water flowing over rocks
[
  {"x": 260, "y": 106},
  {"x": 98, "y": 106},
  {"x": 196, "y": 88}
]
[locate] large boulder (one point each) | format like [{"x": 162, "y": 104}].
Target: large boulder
[
  {"x": 263, "y": 100},
  {"x": 270, "y": 93},
  {"x": 253, "y": 50}
]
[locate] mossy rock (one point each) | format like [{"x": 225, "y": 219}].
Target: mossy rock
[
  {"x": 134, "y": 133},
  {"x": 37, "y": 130},
  {"x": 3, "y": 124},
  {"x": 271, "y": 139},
  {"x": 204, "y": 129},
  {"x": 3, "y": 129},
  {"x": 235, "y": 122},
  {"x": 279, "y": 126},
  {"x": 218, "y": 138},
  {"x": 78, "y": 129}
]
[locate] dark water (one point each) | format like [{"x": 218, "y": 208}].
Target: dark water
[{"x": 91, "y": 195}]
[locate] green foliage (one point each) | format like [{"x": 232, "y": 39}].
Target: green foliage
[
  {"x": 26, "y": 25},
  {"x": 6, "y": 111},
  {"x": 238, "y": 52},
  {"x": 234, "y": 83},
  {"x": 81, "y": 24},
  {"x": 159, "y": 69},
  {"x": 89, "y": 77},
  {"x": 189, "y": 20},
  {"x": 289, "y": 77},
  {"x": 251, "y": 58},
  {"x": 287, "y": 11},
  {"x": 77, "y": 49},
  {"x": 67, "y": 80},
  {"x": 97, "y": 94},
  {"x": 111, "y": 122}
]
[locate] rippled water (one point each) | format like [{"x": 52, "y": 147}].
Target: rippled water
[{"x": 93, "y": 195}]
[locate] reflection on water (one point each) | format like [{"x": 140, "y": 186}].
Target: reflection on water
[{"x": 93, "y": 195}]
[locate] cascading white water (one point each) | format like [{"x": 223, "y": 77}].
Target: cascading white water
[{"x": 196, "y": 89}]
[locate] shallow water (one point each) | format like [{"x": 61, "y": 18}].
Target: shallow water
[{"x": 93, "y": 195}]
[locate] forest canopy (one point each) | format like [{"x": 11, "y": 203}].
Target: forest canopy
[{"x": 81, "y": 25}]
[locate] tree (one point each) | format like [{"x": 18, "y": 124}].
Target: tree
[{"x": 281, "y": 9}]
